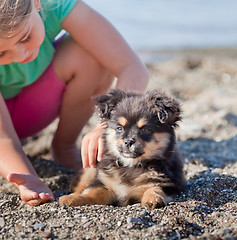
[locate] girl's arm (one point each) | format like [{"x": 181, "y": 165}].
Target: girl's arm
[
  {"x": 12, "y": 157},
  {"x": 102, "y": 40},
  {"x": 95, "y": 34},
  {"x": 16, "y": 167}
]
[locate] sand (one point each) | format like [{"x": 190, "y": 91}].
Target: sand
[{"x": 205, "y": 82}]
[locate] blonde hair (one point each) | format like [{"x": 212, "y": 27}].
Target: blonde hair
[{"x": 13, "y": 13}]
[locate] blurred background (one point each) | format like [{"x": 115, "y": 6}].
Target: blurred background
[
  {"x": 152, "y": 25},
  {"x": 190, "y": 49}
]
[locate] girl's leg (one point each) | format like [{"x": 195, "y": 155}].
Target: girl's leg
[
  {"x": 84, "y": 78},
  {"x": 37, "y": 105}
]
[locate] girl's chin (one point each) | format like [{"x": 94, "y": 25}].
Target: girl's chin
[{"x": 32, "y": 56}]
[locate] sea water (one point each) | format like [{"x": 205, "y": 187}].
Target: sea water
[{"x": 172, "y": 24}]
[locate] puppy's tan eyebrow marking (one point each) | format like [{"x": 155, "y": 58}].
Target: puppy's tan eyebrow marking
[
  {"x": 122, "y": 121},
  {"x": 141, "y": 122}
]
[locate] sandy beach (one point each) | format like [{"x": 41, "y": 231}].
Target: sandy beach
[{"x": 205, "y": 82}]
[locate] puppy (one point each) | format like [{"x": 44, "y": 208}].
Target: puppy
[{"x": 141, "y": 162}]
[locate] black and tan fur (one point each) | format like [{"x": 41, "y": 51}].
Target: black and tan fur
[{"x": 140, "y": 162}]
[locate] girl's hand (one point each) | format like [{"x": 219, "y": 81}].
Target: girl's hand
[
  {"x": 32, "y": 190},
  {"x": 92, "y": 147}
]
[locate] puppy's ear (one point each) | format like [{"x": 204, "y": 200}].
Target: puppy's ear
[
  {"x": 105, "y": 104},
  {"x": 167, "y": 108}
]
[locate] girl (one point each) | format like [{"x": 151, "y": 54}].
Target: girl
[{"x": 41, "y": 79}]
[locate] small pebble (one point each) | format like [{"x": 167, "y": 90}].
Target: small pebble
[
  {"x": 119, "y": 223},
  {"x": 144, "y": 213},
  {"x": 2, "y": 222},
  {"x": 18, "y": 227},
  {"x": 38, "y": 226},
  {"x": 134, "y": 220},
  {"x": 46, "y": 234},
  {"x": 53, "y": 210},
  {"x": 87, "y": 224}
]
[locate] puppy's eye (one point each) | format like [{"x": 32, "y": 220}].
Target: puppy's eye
[
  {"x": 146, "y": 131},
  {"x": 119, "y": 128}
]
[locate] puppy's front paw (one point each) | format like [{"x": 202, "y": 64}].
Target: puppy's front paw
[
  {"x": 153, "y": 198},
  {"x": 152, "y": 202},
  {"x": 70, "y": 200}
]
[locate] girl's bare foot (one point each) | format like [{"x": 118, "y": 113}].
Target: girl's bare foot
[{"x": 32, "y": 190}]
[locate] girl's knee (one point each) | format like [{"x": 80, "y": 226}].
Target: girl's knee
[
  {"x": 80, "y": 66},
  {"x": 104, "y": 83}
]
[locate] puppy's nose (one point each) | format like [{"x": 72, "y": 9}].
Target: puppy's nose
[{"x": 129, "y": 142}]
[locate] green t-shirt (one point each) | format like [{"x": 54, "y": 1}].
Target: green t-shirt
[{"x": 15, "y": 76}]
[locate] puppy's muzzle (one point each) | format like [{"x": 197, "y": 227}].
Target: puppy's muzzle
[
  {"x": 129, "y": 142},
  {"x": 131, "y": 148}
]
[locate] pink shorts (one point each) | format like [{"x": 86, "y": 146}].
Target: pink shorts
[{"x": 38, "y": 104}]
